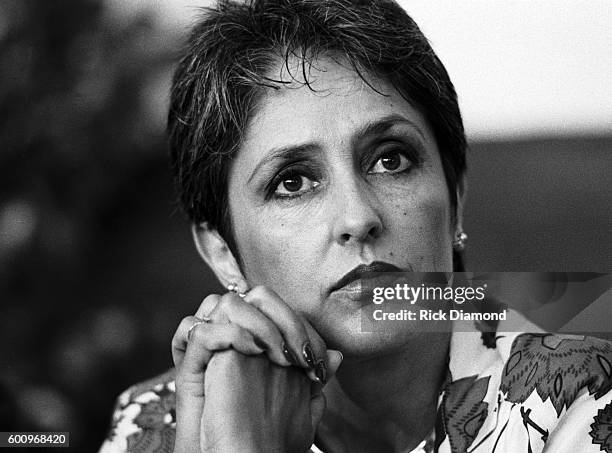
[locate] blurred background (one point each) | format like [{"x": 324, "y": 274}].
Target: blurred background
[{"x": 96, "y": 262}]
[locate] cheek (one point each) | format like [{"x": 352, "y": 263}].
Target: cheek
[
  {"x": 421, "y": 228},
  {"x": 277, "y": 252}
]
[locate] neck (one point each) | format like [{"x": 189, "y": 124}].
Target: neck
[{"x": 386, "y": 403}]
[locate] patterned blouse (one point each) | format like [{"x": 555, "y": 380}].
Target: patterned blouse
[{"x": 517, "y": 392}]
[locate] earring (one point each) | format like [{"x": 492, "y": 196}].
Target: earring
[
  {"x": 460, "y": 240},
  {"x": 233, "y": 288}
]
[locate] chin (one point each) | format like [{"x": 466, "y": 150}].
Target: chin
[{"x": 357, "y": 344}]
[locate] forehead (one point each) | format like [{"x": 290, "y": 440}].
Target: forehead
[{"x": 323, "y": 100}]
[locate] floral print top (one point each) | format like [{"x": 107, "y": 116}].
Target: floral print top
[{"x": 530, "y": 392}]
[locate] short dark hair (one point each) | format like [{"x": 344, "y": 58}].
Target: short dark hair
[{"x": 235, "y": 44}]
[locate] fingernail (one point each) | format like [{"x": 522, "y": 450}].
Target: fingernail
[
  {"x": 289, "y": 355},
  {"x": 321, "y": 371},
  {"x": 308, "y": 355},
  {"x": 313, "y": 376},
  {"x": 259, "y": 343}
]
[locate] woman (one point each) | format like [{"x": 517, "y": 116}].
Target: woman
[{"x": 313, "y": 143}]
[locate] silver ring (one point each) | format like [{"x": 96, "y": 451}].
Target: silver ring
[{"x": 202, "y": 320}]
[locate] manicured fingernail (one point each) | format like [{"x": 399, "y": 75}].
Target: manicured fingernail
[
  {"x": 308, "y": 355},
  {"x": 312, "y": 375},
  {"x": 259, "y": 343},
  {"x": 289, "y": 355},
  {"x": 321, "y": 371}
]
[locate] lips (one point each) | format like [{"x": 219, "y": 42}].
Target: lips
[{"x": 351, "y": 282}]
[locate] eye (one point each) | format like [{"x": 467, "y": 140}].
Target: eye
[
  {"x": 293, "y": 184},
  {"x": 391, "y": 162}
]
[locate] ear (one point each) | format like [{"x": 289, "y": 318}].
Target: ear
[
  {"x": 215, "y": 252},
  {"x": 461, "y": 197}
]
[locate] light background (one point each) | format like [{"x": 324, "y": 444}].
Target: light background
[{"x": 521, "y": 68}]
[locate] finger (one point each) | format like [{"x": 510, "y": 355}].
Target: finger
[
  {"x": 311, "y": 348},
  {"x": 334, "y": 360},
  {"x": 319, "y": 371},
  {"x": 179, "y": 340},
  {"x": 188, "y": 415},
  {"x": 301, "y": 347},
  {"x": 318, "y": 402},
  {"x": 190, "y": 384},
  {"x": 208, "y": 305},
  {"x": 231, "y": 308},
  {"x": 206, "y": 338},
  {"x": 317, "y": 405}
]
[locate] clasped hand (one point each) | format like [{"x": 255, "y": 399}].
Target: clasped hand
[{"x": 251, "y": 379}]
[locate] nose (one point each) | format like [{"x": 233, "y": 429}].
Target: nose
[{"x": 357, "y": 214}]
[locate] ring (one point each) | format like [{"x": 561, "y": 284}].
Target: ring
[{"x": 202, "y": 320}]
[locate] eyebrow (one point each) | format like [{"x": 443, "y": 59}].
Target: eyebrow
[
  {"x": 385, "y": 123},
  {"x": 299, "y": 152},
  {"x": 293, "y": 152}
]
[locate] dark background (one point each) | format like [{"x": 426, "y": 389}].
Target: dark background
[{"x": 96, "y": 263}]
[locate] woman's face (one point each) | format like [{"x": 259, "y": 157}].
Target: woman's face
[{"x": 333, "y": 177}]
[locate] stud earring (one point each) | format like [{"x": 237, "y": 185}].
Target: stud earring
[
  {"x": 233, "y": 288},
  {"x": 460, "y": 240}
]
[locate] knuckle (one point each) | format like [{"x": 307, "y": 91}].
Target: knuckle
[
  {"x": 211, "y": 298},
  {"x": 235, "y": 331},
  {"x": 199, "y": 334},
  {"x": 185, "y": 323},
  {"x": 260, "y": 292},
  {"x": 209, "y": 303},
  {"x": 180, "y": 334},
  {"x": 177, "y": 339},
  {"x": 228, "y": 302}
]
